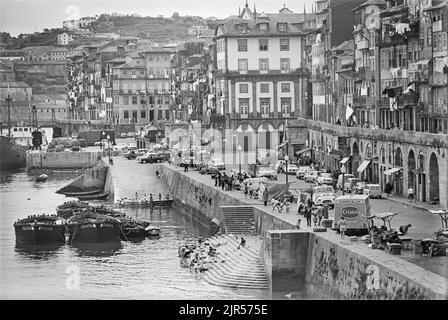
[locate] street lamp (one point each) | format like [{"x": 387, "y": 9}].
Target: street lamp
[
  {"x": 239, "y": 155},
  {"x": 343, "y": 171},
  {"x": 108, "y": 147},
  {"x": 286, "y": 168}
]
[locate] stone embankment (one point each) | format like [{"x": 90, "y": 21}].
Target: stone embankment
[{"x": 295, "y": 258}]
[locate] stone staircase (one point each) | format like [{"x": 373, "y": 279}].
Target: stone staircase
[
  {"x": 239, "y": 220},
  {"x": 235, "y": 268}
]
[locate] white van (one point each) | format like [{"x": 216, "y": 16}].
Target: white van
[
  {"x": 346, "y": 177},
  {"x": 355, "y": 208},
  {"x": 300, "y": 174}
]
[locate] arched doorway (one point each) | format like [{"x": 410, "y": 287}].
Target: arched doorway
[
  {"x": 411, "y": 169},
  {"x": 398, "y": 176},
  {"x": 433, "y": 179},
  {"x": 247, "y": 140},
  {"x": 355, "y": 159},
  {"x": 421, "y": 178}
]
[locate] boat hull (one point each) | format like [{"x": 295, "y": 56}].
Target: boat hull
[
  {"x": 95, "y": 232},
  {"x": 11, "y": 156},
  {"x": 133, "y": 233},
  {"x": 40, "y": 233}
]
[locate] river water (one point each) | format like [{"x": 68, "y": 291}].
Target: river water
[{"x": 148, "y": 269}]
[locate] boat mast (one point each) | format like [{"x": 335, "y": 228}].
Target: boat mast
[{"x": 8, "y": 103}]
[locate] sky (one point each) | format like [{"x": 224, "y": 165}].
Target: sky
[{"x": 28, "y": 16}]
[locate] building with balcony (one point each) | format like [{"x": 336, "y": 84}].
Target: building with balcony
[
  {"x": 141, "y": 87},
  {"x": 259, "y": 79}
]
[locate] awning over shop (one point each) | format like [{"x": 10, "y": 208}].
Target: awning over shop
[
  {"x": 392, "y": 170},
  {"x": 343, "y": 161},
  {"x": 426, "y": 61},
  {"x": 363, "y": 166}
]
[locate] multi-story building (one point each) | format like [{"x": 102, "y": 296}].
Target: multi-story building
[
  {"x": 259, "y": 78},
  {"x": 394, "y": 130},
  {"x": 141, "y": 87}
]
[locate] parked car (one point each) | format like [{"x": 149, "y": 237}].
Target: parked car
[
  {"x": 130, "y": 155},
  {"x": 123, "y": 135},
  {"x": 325, "y": 178},
  {"x": 75, "y": 148},
  {"x": 323, "y": 195},
  {"x": 150, "y": 157},
  {"x": 292, "y": 169},
  {"x": 359, "y": 187},
  {"x": 346, "y": 177},
  {"x": 141, "y": 152},
  {"x": 350, "y": 184},
  {"x": 373, "y": 191},
  {"x": 311, "y": 176},
  {"x": 300, "y": 174}
]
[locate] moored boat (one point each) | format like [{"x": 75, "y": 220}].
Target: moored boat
[
  {"x": 67, "y": 209},
  {"x": 97, "y": 196},
  {"x": 42, "y": 178},
  {"x": 152, "y": 231},
  {"x": 40, "y": 229},
  {"x": 94, "y": 227}
]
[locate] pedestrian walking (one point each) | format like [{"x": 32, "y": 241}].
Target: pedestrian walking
[
  {"x": 315, "y": 220},
  {"x": 309, "y": 203},
  {"x": 246, "y": 190},
  {"x": 320, "y": 214},
  {"x": 410, "y": 193},
  {"x": 265, "y": 196},
  {"x": 388, "y": 189},
  {"x": 325, "y": 212},
  {"x": 342, "y": 227},
  {"x": 300, "y": 208},
  {"x": 307, "y": 214}
]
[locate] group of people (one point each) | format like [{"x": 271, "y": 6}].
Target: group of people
[
  {"x": 279, "y": 204},
  {"x": 311, "y": 214}
]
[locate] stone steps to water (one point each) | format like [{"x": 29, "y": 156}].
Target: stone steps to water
[
  {"x": 239, "y": 220},
  {"x": 242, "y": 268}
]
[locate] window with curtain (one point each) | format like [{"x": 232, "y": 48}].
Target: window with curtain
[
  {"x": 244, "y": 106},
  {"x": 265, "y": 105},
  {"x": 284, "y": 64},
  {"x": 284, "y": 44},
  {"x": 264, "y": 64},
  {"x": 242, "y": 44},
  {"x": 285, "y": 104}
]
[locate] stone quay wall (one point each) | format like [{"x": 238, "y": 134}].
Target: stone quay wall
[
  {"x": 62, "y": 160},
  {"x": 297, "y": 258}
]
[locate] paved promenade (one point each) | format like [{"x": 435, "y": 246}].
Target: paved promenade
[{"x": 423, "y": 222}]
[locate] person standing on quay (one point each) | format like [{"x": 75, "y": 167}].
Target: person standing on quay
[
  {"x": 265, "y": 196},
  {"x": 307, "y": 214},
  {"x": 342, "y": 227},
  {"x": 410, "y": 193}
]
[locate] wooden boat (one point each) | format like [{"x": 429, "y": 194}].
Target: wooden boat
[
  {"x": 94, "y": 227},
  {"x": 97, "y": 196},
  {"x": 83, "y": 193},
  {"x": 152, "y": 231},
  {"x": 132, "y": 230},
  {"x": 67, "y": 209},
  {"x": 40, "y": 229},
  {"x": 42, "y": 178},
  {"x": 144, "y": 203}
]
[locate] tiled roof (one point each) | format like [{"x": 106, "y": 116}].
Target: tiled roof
[{"x": 230, "y": 27}]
